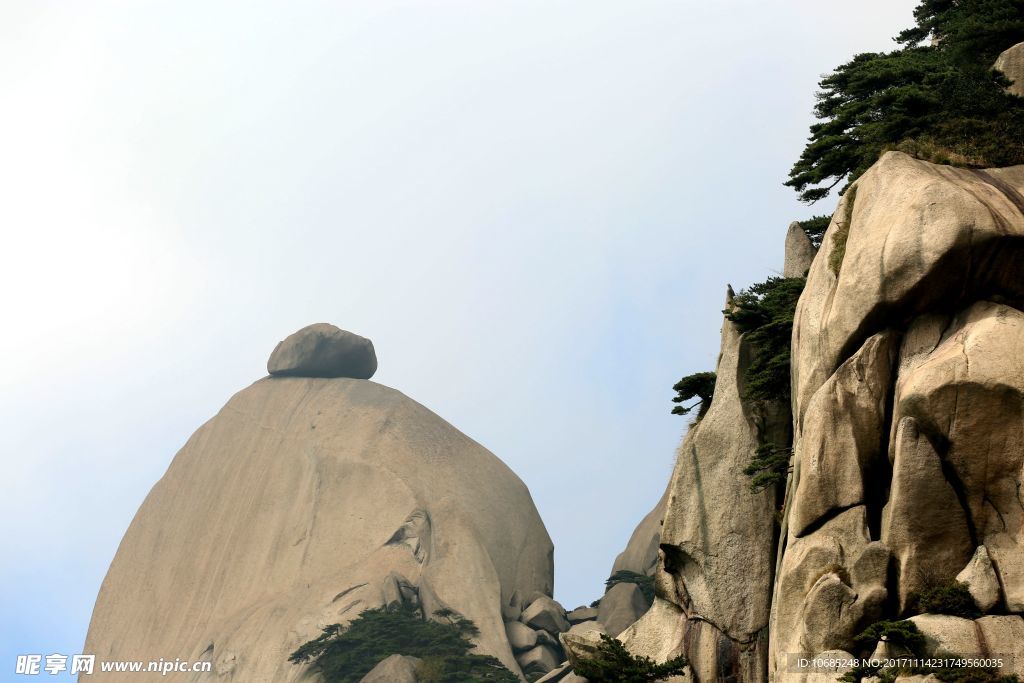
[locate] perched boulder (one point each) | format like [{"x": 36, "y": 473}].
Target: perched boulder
[
  {"x": 303, "y": 503},
  {"x": 323, "y": 350},
  {"x": 622, "y": 605},
  {"x": 544, "y": 613},
  {"x": 981, "y": 580},
  {"x": 394, "y": 669}
]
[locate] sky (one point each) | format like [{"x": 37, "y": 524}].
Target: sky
[{"x": 532, "y": 208}]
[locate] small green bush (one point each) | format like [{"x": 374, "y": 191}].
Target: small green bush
[
  {"x": 769, "y": 467},
  {"x": 764, "y": 312},
  {"x": 346, "y": 654},
  {"x": 815, "y": 228},
  {"x": 700, "y": 385},
  {"x": 899, "y": 633},
  {"x": 952, "y": 598},
  {"x": 612, "y": 663},
  {"x": 646, "y": 583}
]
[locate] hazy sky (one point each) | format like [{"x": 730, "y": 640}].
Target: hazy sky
[{"x": 531, "y": 207}]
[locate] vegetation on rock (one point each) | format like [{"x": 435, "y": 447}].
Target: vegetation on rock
[
  {"x": 346, "y": 654},
  {"x": 951, "y": 598},
  {"x": 815, "y": 228},
  {"x": 700, "y": 385},
  {"x": 612, "y": 663},
  {"x": 942, "y": 102},
  {"x": 903, "y": 634},
  {"x": 907, "y": 639},
  {"x": 646, "y": 583},
  {"x": 769, "y": 467},
  {"x": 764, "y": 312},
  {"x": 842, "y": 233}
]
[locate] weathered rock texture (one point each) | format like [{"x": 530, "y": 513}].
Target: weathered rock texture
[
  {"x": 799, "y": 252},
  {"x": 302, "y": 503},
  {"x": 714, "y": 585},
  {"x": 908, "y": 409},
  {"x": 908, "y": 444}
]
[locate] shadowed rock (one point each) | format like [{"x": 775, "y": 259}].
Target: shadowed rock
[{"x": 323, "y": 350}]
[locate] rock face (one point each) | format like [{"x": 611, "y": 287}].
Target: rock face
[
  {"x": 323, "y": 350},
  {"x": 908, "y": 409},
  {"x": 981, "y": 580},
  {"x": 1011, "y": 63},
  {"x": 908, "y": 443},
  {"x": 302, "y": 503},
  {"x": 714, "y": 584},
  {"x": 622, "y": 605},
  {"x": 799, "y": 252}
]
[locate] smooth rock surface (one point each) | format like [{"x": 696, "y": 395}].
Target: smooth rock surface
[
  {"x": 717, "y": 535},
  {"x": 520, "y": 636},
  {"x": 296, "y": 507},
  {"x": 844, "y": 434},
  {"x": 799, "y": 252},
  {"x": 919, "y": 236},
  {"x": 981, "y": 580},
  {"x": 715, "y": 582},
  {"x": 924, "y": 524},
  {"x": 965, "y": 395},
  {"x": 622, "y": 605},
  {"x": 393, "y": 669},
  {"x": 323, "y": 350}
]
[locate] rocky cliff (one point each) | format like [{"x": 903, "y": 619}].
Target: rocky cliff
[
  {"x": 308, "y": 499},
  {"x": 908, "y": 445}
]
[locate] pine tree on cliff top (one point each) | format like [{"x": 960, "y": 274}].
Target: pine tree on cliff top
[{"x": 942, "y": 102}]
